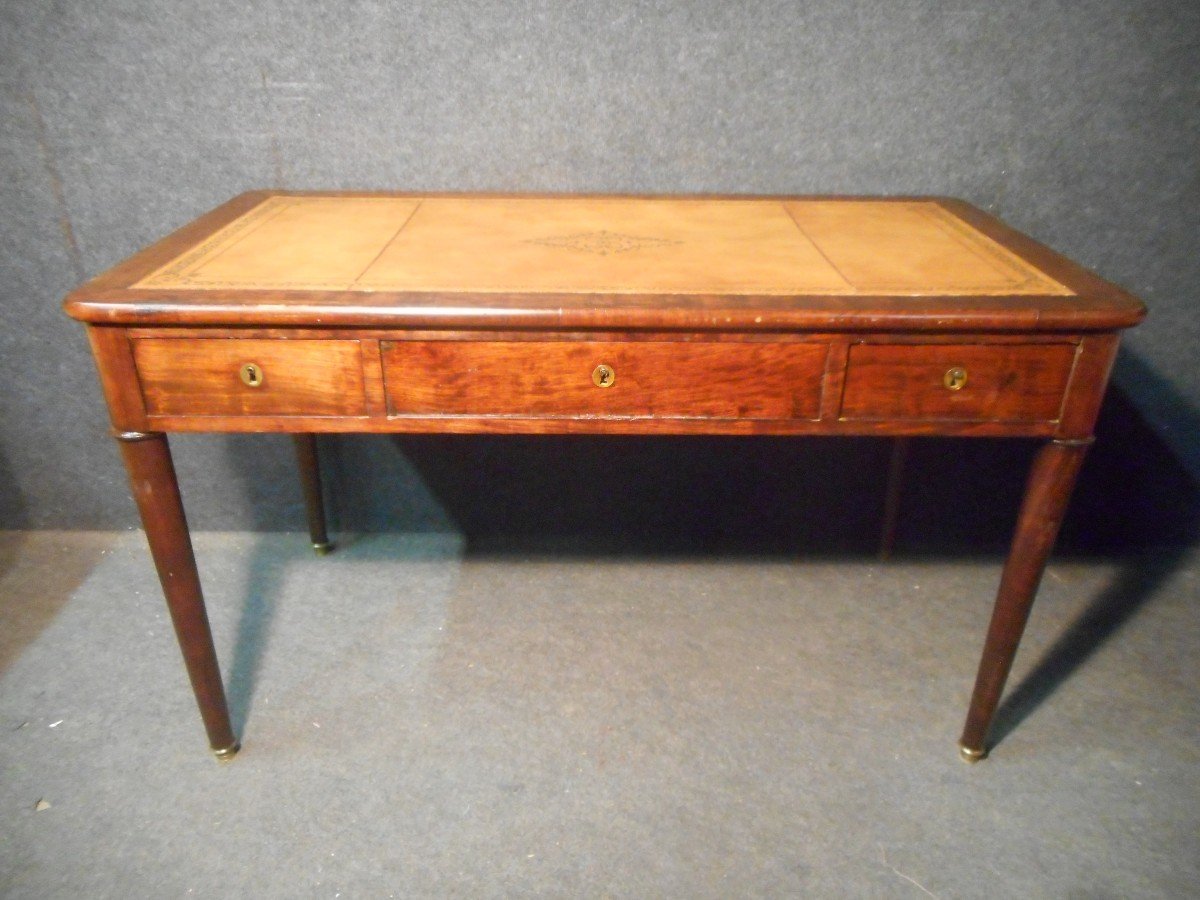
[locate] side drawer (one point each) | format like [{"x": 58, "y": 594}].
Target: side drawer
[
  {"x": 204, "y": 377},
  {"x": 651, "y": 379},
  {"x": 972, "y": 382}
]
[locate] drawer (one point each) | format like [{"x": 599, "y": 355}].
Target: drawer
[
  {"x": 204, "y": 377},
  {"x": 992, "y": 382},
  {"x": 655, "y": 379}
]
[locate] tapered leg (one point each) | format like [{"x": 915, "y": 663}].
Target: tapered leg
[
  {"x": 1051, "y": 480},
  {"x": 310, "y": 479},
  {"x": 152, "y": 476},
  {"x": 891, "y": 502}
]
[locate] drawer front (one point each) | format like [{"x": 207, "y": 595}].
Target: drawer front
[
  {"x": 977, "y": 382},
  {"x": 210, "y": 377},
  {"x": 655, "y": 379}
]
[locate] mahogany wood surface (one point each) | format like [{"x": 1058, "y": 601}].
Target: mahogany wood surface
[
  {"x": 202, "y": 377},
  {"x": 156, "y": 491},
  {"x": 1051, "y": 480},
  {"x": 893, "y": 494},
  {"x": 1007, "y": 383},
  {"x": 649, "y": 379},
  {"x": 1089, "y": 380},
  {"x": 597, "y": 425},
  {"x": 309, "y": 464},
  {"x": 456, "y": 313}
]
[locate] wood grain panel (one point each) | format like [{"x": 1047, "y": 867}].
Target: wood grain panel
[
  {"x": 653, "y": 380},
  {"x": 200, "y": 377},
  {"x": 597, "y": 425},
  {"x": 1005, "y": 383},
  {"x": 1089, "y": 380},
  {"x": 113, "y": 354}
]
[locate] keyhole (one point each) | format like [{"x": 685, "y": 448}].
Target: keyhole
[
  {"x": 603, "y": 376},
  {"x": 251, "y": 375}
]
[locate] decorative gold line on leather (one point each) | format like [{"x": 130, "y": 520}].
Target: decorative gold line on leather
[
  {"x": 741, "y": 290},
  {"x": 391, "y": 241},
  {"x": 602, "y": 242},
  {"x": 1019, "y": 276},
  {"x": 1021, "y": 273},
  {"x": 1016, "y": 274},
  {"x": 787, "y": 209},
  {"x": 176, "y": 273},
  {"x": 230, "y": 244},
  {"x": 240, "y": 227}
]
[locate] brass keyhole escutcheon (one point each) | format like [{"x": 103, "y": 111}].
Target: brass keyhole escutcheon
[
  {"x": 955, "y": 379},
  {"x": 251, "y": 375},
  {"x": 603, "y": 376}
]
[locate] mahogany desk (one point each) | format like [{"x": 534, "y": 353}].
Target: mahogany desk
[{"x": 322, "y": 312}]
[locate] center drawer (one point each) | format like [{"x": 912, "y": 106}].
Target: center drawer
[{"x": 654, "y": 379}]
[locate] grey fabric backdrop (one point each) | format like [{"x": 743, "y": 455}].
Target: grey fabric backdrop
[{"x": 1076, "y": 121}]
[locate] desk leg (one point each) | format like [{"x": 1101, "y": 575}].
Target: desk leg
[
  {"x": 152, "y": 476},
  {"x": 891, "y": 503},
  {"x": 310, "y": 480},
  {"x": 1051, "y": 480}
]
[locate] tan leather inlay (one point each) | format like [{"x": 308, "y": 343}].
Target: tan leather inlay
[
  {"x": 913, "y": 248},
  {"x": 601, "y": 245},
  {"x": 291, "y": 242}
]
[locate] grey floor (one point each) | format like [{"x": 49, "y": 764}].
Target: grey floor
[{"x": 418, "y": 721}]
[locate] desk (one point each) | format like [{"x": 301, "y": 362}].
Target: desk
[{"x": 326, "y": 312}]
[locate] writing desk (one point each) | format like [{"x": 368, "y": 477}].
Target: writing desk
[{"x": 329, "y": 312}]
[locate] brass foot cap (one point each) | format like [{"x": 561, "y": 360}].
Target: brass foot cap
[
  {"x": 225, "y": 754},
  {"x": 323, "y": 548},
  {"x": 971, "y": 755}
]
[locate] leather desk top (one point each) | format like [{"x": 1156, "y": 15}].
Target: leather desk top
[{"x": 396, "y": 260}]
